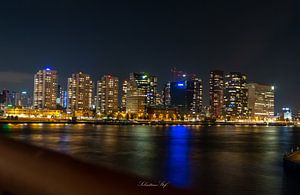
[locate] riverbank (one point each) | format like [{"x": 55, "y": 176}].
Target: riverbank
[{"x": 144, "y": 122}]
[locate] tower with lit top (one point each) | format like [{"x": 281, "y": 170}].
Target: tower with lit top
[
  {"x": 45, "y": 89},
  {"x": 184, "y": 92}
]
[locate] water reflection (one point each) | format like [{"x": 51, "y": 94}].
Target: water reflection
[
  {"x": 236, "y": 160},
  {"x": 178, "y": 157},
  {"x": 64, "y": 142}
]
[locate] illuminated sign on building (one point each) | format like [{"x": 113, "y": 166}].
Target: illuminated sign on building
[{"x": 181, "y": 85}]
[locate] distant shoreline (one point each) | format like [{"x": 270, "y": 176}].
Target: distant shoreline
[{"x": 94, "y": 122}]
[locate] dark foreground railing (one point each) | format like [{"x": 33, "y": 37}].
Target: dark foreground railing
[{"x": 27, "y": 169}]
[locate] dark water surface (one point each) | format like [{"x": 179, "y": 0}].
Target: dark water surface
[{"x": 222, "y": 160}]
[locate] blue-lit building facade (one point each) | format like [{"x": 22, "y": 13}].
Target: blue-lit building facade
[{"x": 185, "y": 93}]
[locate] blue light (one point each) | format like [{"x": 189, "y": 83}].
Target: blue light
[
  {"x": 180, "y": 85},
  {"x": 48, "y": 67},
  {"x": 178, "y": 156}
]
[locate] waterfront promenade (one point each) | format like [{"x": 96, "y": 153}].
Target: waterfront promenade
[{"x": 148, "y": 122}]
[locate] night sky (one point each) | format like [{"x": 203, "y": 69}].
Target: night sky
[{"x": 258, "y": 38}]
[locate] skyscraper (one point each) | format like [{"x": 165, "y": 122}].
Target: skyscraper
[
  {"x": 7, "y": 98},
  {"x": 107, "y": 95},
  {"x": 216, "y": 95},
  {"x": 186, "y": 95},
  {"x": 141, "y": 92},
  {"x": 59, "y": 97},
  {"x": 166, "y": 97},
  {"x": 45, "y": 89},
  {"x": 80, "y": 92},
  {"x": 146, "y": 82},
  {"x": 15, "y": 99},
  {"x": 235, "y": 96},
  {"x": 26, "y": 100},
  {"x": 135, "y": 101},
  {"x": 124, "y": 95},
  {"x": 64, "y": 99},
  {"x": 261, "y": 100}
]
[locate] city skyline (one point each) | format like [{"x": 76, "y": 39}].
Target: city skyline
[
  {"x": 117, "y": 37},
  {"x": 160, "y": 91},
  {"x": 149, "y": 96},
  {"x": 231, "y": 96}
]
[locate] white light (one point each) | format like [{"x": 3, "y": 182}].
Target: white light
[{"x": 272, "y": 87}]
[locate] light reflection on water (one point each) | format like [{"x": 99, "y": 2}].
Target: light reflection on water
[
  {"x": 177, "y": 163},
  {"x": 230, "y": 160}
]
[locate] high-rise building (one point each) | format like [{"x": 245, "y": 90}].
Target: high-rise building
[
  {"x": 45, "y": 89},
  {"x": 80, "y": 92},
  {"x": 26, "y": 100},
  {"x": 107, "y": 95},
  {"x": 7, "y": 97},
  {"x": 147, "y": 83},
  {"x": 141, "y": 92},
  {"x": 186, "y": 95},
  {"x": 235, "y": 96},
  {"x": 166, "y": 97},
  {"x": 216, "y": 95},
  {"x": 59, "y": 97},
  {"x": 1, "y": 99},
  {"x": 135, "y": 101},
  {"x": 124, "y": 95},
  {"x": 15, "y": 99},
  {"x": 64, "y": 99},
  {"x": 261, "y": 100},
  {"x": 158, "y": 99}
]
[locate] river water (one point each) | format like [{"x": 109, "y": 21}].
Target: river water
[{"x": 218, "y": 160}]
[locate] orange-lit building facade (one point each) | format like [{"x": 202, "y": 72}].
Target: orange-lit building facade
[
  {"x": 45, "y": 89},
  {"x": 80, "y": 92}
]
